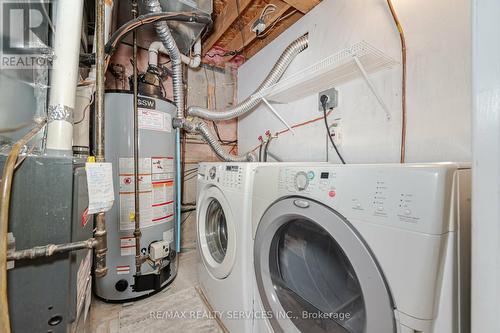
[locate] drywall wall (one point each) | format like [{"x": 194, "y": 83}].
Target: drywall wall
[
  {"x": 438, "y": 34},
  {"x": 486, "y": 168}
]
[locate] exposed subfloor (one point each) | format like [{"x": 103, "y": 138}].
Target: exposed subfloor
[{"x": 178, "y": 308}]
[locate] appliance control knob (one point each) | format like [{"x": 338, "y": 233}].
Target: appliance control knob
[
  {"x": 301, "y": 181},
  {"x": 212, "y": 172}
]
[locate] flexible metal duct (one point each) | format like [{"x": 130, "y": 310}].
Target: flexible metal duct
[
  {"x": 250, "y": 102},
  {"x": 202, "y": 129},
  {"x": 168, "y": 41}
]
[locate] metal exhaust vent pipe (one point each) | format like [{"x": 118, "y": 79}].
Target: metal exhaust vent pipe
[{"x": 250, "y": 102}]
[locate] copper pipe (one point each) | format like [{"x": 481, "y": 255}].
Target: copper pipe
[
  {"x": 8, "y": 173},
  {"x": 403, "y": 84},
  {"x": 100, "y": 225}
]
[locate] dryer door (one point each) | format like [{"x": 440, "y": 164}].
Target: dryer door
[
  {"x": 315, "y": 273},
  {"x": 216, "y": 233}
]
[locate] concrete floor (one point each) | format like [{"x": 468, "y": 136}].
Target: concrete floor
[{"x": 178, "y": 308}]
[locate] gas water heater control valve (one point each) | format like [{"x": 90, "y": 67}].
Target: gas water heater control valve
[
  {"x": 301, "y": 181},
  {"x": 159, "y": 250}
]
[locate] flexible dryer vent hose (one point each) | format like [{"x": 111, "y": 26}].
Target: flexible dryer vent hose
[
  {"x": 201, "y": 128},
  {"x": 168, "y": 41},
  {"x": 250, "y": 102}
]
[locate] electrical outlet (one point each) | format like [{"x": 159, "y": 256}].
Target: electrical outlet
[
  {"x": 333, "y": 99},
  {"x": 336, "y": 134}
]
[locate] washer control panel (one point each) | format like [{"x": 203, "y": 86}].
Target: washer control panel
[
  {"x": 227, "y": 175},
  {"x": 409, "y": 197}
]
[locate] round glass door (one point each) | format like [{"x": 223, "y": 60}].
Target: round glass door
[
  {"x": 216, "y": 230},
  {"x": 314, "y": 280},
  {"x": 315, "y": 273}
]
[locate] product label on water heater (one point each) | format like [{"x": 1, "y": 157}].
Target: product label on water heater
[
  {"x": 127, "y": 246},
  {"x": 156, "y": 191},
  {"x": 155, "y": 120}
]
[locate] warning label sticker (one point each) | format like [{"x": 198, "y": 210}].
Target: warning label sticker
[
  {"x": 156, "y": 191},
  {"x": 125, "y": 269},
  {"x": 155, "y": 120},
  {"x": 127, "y": 246}
]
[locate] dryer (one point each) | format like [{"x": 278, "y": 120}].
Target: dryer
[
  {"x": 224, "y": 231},
  {"x": 362, "y": 248}
]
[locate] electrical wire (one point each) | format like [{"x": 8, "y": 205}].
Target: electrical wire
[
  {"x": 85, "y": 110},
  {"x": 403, "y": 80},
  {"x": 240, "y": 27},
  {"x": 305, "y": 123},
  {"x": 216, "y": 128},
  {"x": 323, "y": 104},
  {"x": 260, "y": 151},
  {"x": 266, "y": 149},
  {"x": 188, "y": 214},
  {"x": 267, "y": 31}
]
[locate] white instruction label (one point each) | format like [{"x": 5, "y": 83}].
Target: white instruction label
[
  {"x": 155, "y": 120},
  {"x": 127, "y": 246},
  {"x": 156, "y": 191},
  {"x": 100, "y": 187}
]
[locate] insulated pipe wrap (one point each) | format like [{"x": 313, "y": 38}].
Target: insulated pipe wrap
[
  {"x": 168, "y": 41},
  {"x": 250, "y": 102}
]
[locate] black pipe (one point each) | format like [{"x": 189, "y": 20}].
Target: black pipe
[{"x": 165, "y": 16}]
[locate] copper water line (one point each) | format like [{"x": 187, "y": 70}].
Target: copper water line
[
  {"x": 403, "y": 84},
  {"x": 7, "y": 177}
]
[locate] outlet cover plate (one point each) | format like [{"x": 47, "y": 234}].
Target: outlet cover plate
[{"x": 333, "y": 98}]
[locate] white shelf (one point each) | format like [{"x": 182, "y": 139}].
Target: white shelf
[{"x": 330, "y": 72}]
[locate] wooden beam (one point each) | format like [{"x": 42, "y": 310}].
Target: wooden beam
[
  {"x": 278, "y": 29},
  {"x": 248, "y": 35},
  {"x": 303, "y": 6},
  {"x": 224, "y": 20}
]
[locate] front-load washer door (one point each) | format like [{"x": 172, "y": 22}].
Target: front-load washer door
[
  {"x": 216, "y": 233},
  {"x": 315, "y": 273}
]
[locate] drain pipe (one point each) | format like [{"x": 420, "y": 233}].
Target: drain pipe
[
  {"x": 64, "y": 76},
  {"x": 157, "y": 47},
  {"x": 296, "y": 47},
  {"x": 100, "y": 234}
]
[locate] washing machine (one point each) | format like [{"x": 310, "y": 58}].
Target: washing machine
[
  {"x": 224, "y": 231},
  {"x": 362, "y": 248}
]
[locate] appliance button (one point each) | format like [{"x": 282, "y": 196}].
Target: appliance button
[
  {"x": 301, "y": 203},
  {"x": 380, "y": 208},
  {"x": 407, "y": 212}
]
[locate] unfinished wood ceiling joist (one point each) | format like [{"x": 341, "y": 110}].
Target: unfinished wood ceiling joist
[{"x": 233, "y": 20}]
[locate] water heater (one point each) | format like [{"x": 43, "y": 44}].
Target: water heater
[{"x": 157, "y": 188}]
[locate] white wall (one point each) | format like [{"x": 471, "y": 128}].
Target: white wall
[
  {"x": 438, "y": 34},
  {"x": 486, "y": 168}
]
